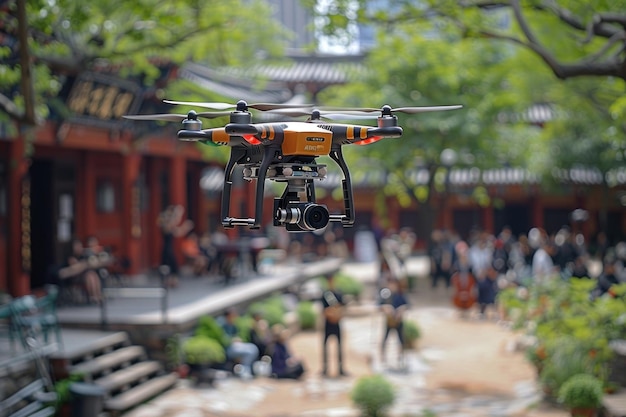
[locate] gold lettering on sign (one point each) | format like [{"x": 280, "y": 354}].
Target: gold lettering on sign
[
  {"x": 80, "y": 97},
  {"x": 106, "y": 106},
  {"x": 100, "y": 100},
  {"x": 122, "y": 103}
]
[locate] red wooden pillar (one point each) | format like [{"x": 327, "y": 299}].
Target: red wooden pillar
[
  {"x": 131, "y": 211},
  {"x": 488, "y": 221},
  {"x": 86, "y": 197},
  {"x": 18, "y": 210},
  {"x": 154, "y": 210},
  {"x": 178, "y": 190}
]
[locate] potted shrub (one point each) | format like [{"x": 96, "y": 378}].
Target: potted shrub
[
  {"x": 307, "y": 317},
  {"x": 373, "y": 395},
  {"x": 411, "y": 333},
  {"x": 175, "y": 359},
  {"x": 201, "y": 353},
  {"x": 582, "y": 394}
]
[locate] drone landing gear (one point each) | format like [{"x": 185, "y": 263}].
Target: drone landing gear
[{"x": 290, "y": 211}]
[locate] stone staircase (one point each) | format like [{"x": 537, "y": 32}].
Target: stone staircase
[{"x": 122, "y": 370}]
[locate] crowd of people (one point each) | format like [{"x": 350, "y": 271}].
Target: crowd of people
[{"x": 477, "y": 268}]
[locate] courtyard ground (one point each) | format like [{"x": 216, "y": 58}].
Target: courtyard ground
[{"x": 462, "y": 367}]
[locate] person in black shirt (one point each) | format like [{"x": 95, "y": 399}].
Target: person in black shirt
[
  {"x": 332, "y": 303},
  {"x": 393, "y": 303}
]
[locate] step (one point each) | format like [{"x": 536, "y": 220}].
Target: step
[
  {"x": 109, "y": 361},
  {"x": 128, "y": 375},
  {"x": 140, "y": 393},
  {"x": 94, "y": 348}
]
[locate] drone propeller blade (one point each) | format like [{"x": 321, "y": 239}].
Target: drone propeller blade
[
  {"x": 408, "y": 110},
  {"x": 330, "y": 115},
  {"x": 175, "y": 117},
  {"x": 413, "y": 110},
  {"x": 349, "y": 116},
  {"x": 224, "y": 106},
  {"x": 216, "y": 106}
]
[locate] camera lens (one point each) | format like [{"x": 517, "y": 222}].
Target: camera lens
[
  {"x": 289, "y": 215},
  {"x": 314, "y": 217}
]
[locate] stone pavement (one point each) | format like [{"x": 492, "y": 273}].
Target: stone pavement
[{"x": 474, "y": 376}]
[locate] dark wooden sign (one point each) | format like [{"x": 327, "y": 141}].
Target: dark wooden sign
[{"x": 103, "y": 99}]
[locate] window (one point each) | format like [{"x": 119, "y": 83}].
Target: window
[{"x": 105, "y": 196}]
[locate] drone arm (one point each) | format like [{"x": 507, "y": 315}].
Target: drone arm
[
  {"x": 347, "y": 219},
  {"x": 214, "y": 136}
]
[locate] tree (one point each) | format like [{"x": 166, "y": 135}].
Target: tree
[
  {"x": 573, "y": 53},
  {"x": 42, "y": 42}
]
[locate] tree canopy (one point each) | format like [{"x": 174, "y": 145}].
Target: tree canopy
[
  {"x": 43, "y": 41},
  {"x": 499, "y": 59}
]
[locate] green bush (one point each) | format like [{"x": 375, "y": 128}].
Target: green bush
[
  {"x": 209, "y": 327},
  {"x": 62, "y": 389},
  {"x": 202, "y": 350},
  {"x": 581, "y": 391},
  {"x": 373, "y": 395},
  {"x": 345, "y": 284},
  {"x": 566, "y": 357},
  {"x": 244, "y": 325},
  {"x": 411, "y": 332},
  {"x": 307, "y": 317},
  {"x": 273, "y": 310}
]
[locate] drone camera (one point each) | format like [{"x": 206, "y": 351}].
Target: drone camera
[{"x": 303, "y": 216}]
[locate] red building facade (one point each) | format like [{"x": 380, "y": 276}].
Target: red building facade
[{"x": 91, "y": 175}]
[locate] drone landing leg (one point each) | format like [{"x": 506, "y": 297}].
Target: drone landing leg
[
  {"x": 235, "y": 157},
  {"x": 346, "y": 219},
  {"x": 268, "y": 156}
]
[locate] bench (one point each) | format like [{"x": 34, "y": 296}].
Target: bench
[{"x": 30, "y": 400}]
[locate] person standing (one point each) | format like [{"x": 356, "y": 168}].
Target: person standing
[
  {"x": 169, "y": 223},
  {"x": 333, "y": 304},
  {"x": 393, "y": 303}
]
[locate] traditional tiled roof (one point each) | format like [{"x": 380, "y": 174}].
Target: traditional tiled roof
[
  {"x": 278, "y": 78},
  {"x": 235, "y": 87}
]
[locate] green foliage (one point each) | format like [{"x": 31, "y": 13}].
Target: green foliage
[
  {"x": 573, "y": 330},
  {"x": 203, "y": 350},
  {"x": 581, "y": 391},
  {"x": 345, "y": 284},
  {"x": 307, "y": 317},
  {"x": 443, "y": 52},
  {"x": 173, "y": 351},
  {"x": 272, "y": 308},
  {"x": 411, "y": 331},
  {"x": 244, "y": 325},
  {"x": 62, "y": 389},
  {"x": 373, "y": 395},
  {"x": 209, "y": 327},
  {"x": 135, "y": 37},
  {"x": 566, "y": 358}
]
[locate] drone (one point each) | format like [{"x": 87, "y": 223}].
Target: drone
[{"x": 286, "y": 152}]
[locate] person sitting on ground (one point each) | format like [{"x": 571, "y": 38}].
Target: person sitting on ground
[
  {"x": 260, "y": 334},
  {"x": 284, "y": 365},
  {"x": 238, "y": 351}
]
